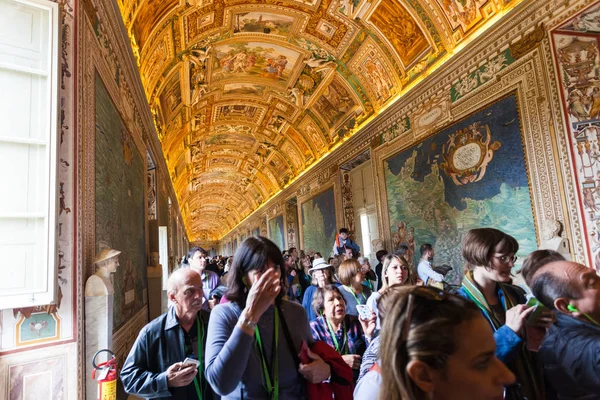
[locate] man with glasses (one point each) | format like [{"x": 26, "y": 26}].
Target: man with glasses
[{"x": 155, "y": 366}]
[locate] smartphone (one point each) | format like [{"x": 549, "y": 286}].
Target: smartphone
[
  {"x": 537, "y": 312},
  {"x": 191, "y": 361},
  {"x": 364, "y": 312}
]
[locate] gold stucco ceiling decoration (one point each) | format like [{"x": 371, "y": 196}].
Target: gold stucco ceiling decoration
[{"x": 246, "y": 95}]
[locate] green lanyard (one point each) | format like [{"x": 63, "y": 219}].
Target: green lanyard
[
  {"x": 200, "y": 357},
  {"x": 344, "y": 349},
  {"x": 272, "y": 389},
  {"x": 205, "y": 281},
  {"x": 351, "y": 290}
]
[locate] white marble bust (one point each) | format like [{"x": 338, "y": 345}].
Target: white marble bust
[
  {"x": 551, "y": 240},
  {"x": 154, "y": 270},
  {"x": 106, "y": 263}
]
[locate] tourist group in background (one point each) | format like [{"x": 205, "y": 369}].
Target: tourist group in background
[{"x": 272, "y": 324}]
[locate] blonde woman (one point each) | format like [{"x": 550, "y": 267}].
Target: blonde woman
[{"x": 395, "y": 271}]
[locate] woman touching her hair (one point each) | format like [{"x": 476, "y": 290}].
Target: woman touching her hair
[{"x": 248, "y": 354}]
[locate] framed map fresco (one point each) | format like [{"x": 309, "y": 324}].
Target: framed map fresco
[
  {"x": 120, "y": 174},
  {"x": 319, "y": 223},
  {"x": 276, "y": 231},
  {"x": 471, "y": 174}
]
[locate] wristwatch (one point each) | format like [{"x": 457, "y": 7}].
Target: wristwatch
[{"x": 246, "y": 322}]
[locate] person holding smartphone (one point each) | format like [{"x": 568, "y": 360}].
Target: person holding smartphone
[
  {"x": 166, "y": 361},
  {"x": 490, "y": 255},
  {"x": 347, "y": 334}
]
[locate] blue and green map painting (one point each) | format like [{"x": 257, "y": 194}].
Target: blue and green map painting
[
  {"x": 318, "y": 223},
  {"x": 276, "y": 232},
  {"x": 426, "y": 205},
  {"x": 119, "y": 205}
]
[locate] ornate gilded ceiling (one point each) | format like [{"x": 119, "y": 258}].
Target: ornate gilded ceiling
[{"x": 247, "y": 94}]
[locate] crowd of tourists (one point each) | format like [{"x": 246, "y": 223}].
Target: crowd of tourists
[{"x": 272, "y": 324}]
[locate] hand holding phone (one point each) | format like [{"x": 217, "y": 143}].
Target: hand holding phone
[
  {"x": 190, "y": 361},
  {"x": 364, "y": 312},
  {"x": 539, "y": 310}
]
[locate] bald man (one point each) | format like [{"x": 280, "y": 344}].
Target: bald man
[
  {"x": 570, "y": 352},
  {"x": 154, "y": 367}
]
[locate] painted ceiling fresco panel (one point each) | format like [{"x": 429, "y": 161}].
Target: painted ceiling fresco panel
[
  {"x": 268, "y": 61},
  {"x": 376, "y": 75},
  {"x": 401, "y": 30},
  {"x": 230, "y": 140},
  {"x": 587, "y": 22},
  {"x": 149, "y": 16},
  {"x": 462, "y": 14},
  {"x": 268, "y": 23},
  {"x": 335, "y": 104}
]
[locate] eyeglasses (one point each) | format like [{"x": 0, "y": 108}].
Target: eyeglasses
[
  {"x": 507, "y": 259},
  {"x": 424, "y": 292}
]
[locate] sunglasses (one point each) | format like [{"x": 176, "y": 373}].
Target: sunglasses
[{"x": 424, "y": 292}]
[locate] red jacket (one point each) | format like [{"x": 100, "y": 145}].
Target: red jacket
[{"x": 341, "y": 385}]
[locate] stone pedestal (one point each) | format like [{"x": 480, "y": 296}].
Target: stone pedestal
[
  {"x": 98, "y": 336},
  {"x": 155, "y": 292}
]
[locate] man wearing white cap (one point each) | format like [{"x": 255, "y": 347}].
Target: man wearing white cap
[{"x": 321, "y": 274}]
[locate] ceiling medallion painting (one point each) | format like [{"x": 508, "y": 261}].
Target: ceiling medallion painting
[{"x": 246, "y": 95}]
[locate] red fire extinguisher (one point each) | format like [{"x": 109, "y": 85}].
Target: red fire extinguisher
[{"x": 107, "y": 376}]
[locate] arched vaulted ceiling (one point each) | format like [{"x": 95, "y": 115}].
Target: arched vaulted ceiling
[{"x": 247, "y": 94}]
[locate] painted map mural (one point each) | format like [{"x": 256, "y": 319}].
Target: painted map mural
[
  {"x": 120, "y": 219},
  {"x": 470, "y": 175},
  {"x": 318, "y": 223},
  {"x": 276, "y": 231}
]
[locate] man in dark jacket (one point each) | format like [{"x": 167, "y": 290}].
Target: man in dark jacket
[
  {"x": 154, "y": 367},
  {"x": 570, "y": 352}
]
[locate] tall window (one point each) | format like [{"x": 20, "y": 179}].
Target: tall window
[{"x": 29, "y": 41}]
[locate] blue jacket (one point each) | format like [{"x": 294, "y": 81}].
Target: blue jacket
[
  {"x": 570, "y": 354},
  {"x": 159, "y": 345},
  {"x": 349, "y": 243},
  {"x": 508, "y": 342}
]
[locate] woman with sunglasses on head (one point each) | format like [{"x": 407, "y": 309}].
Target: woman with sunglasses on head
[
  {"x": 347, "y": 334},
  {"x": 438, "y": 347},
  {"x": 395, "y": 271},
  {"x": 250, "y": 351},
  {"x": 490, "y": 257}
]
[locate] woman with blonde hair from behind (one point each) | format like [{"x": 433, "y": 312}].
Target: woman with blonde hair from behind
[{"x": 438, "y": 347}]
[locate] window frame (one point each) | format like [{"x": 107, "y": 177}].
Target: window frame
[{"x": 47, "y": 292}]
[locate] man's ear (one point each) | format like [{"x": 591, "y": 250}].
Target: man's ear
[
  {"x": 171, "y": 297},
  {"x": 422, "y": 375},
  {"x": 562, "y": 305}
]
